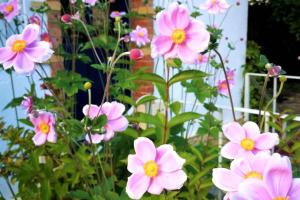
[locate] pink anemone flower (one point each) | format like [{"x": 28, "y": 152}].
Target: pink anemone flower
[
  {"x": 139, "y": 36},
  {"x": 223, "y": 87},
  {"x": 215, "y": 6},
  {"x": 116, "y": 14},
  {"x": 240, "y": 170},
  {"x": 153, "y": 169},
  {"x": 10, "y": 9},
  {"x": 179, "y": 35},
  {"x": 44, "y": 128},
  {"x": 202, "y": 59},
  {"x": 278, "y": 183},
  {"x": 230, "y": 75},
  {"x": 27, "y": 104},
  {"x": 35, "y": 20},
  {"x": 246, "y": 140},
  {"x": 116, "y": 122},
  {"x": 90, "y": 2},
  {"x": 24, "y": 50}
]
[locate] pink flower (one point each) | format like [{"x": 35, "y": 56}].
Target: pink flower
[
  {"x": 274, "y": 70},
  {"x": 215, "y": 6},
  {"x": 136, "y": 54},
  {"x": 126, "y": 38},
  {"x": 246, "y": 140},
  {"x": 116, "y": 122},
  {"x": 179, "y": 35},
  {"x": 241, "y": 169},
  {"x": 139, "y": 36},
  {"x": 223, "y": 87},
  {"x": 23, "y": 50},
  {"x": 9, "y": 9},
  {"x": 201, "y": 59},
  {"x": 278, "y": 183},
  {"x": 230, "y": 75},
  {"x": 115, "y": 14},
  {"x": 44, "y": 128},
  {"x": 153, "y": 169},
  {"x": 27, "y": 104},
  {"x": 90, "y": 2},
  {"x": 66, "y": 18},
  {"x": 35, "y": 20}
]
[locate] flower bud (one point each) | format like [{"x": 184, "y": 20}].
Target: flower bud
[
  {"x": 282, "y": 78},
  {"x": 66, "y": 18},
  {"x": 87, "y": 85},
  {"x": 268, "y": 65},
  {"x": 274, "y": 71},
  {"x": 136, "y": 54}
]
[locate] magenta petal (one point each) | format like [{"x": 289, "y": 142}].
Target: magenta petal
[
  {"x": 186, "y": 54},
  {"x": 116, "y": 110},
  {"x": 39, "y": 139},
  {"x": 161, "y": 44},
  {"x": 179, "y": 16},
  {"x": 155, "y": 187},
  {"x": 226, "y": 180},
  {"x": 30, "y": 33},
  {"x": 39, "y": 52},
  {"x": 137, "y": 185},
  {"x": 164, "y": 23},
  {"x": 145, "y": 149},
  {"x": 266, "y": 141},
  {"x": 252, "y": 130},
  {"x": 52, "y": 136},
  {"x": 254, "y": 189},
  {"x": 6, "y": 54},
  {"x": 230, "y": 150},
  {"x": 234, "y": 132},
  {"x": 170, "y": 162},
  {"x": 96, "y": 138},
  {"x": 134, "y": 164},
  {"x": 172, "y": 180},
  {"x": 161, "y": 150},
  {"x": 294, "y": 192},
  {"x": 92, "y": 111},
  {"x": 22, "y": 64},
  {"x": 119, "y": 124}
]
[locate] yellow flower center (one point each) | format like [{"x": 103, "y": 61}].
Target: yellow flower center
[
  {"x": 281, "y": 198},
  {"x": 247, "y": 144},
  {"x": 44, "y": 128},
  {"x": 141, "y": 34},
  {"x": 9, "y": 8},
  {"x": 200, "y": 57},
  {"x": 150, "y": 168},
  {"x": 254, "y": 174},
  {"x": 178, "y": 36},
  {"x": 214, "y": 2},
  {"x": 19, "y": 46}
]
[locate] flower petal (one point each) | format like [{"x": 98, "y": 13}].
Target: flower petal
[
  {"x": 252, "y": 130},
  {"x": 39, "y": 52},
  {"x": 161, "y": 150},
  {"x": 109, "y": 133},
  {"x": 254, "y": 189},
  {"x": 179, "y": 16},
  {"x": 294, "y": 192},
  {"x": 230, "y": 150},
  {"x": 30, "y": 33},
  {"x": 197, "y": 36},
  {"x": 137, "y": 185},
  {"x": 52, "y": 136},
  {"x": 96, "y": 138},
  {"x": 164, "y": 23},
  {"x": 6, "y": 54},
  {"x": 266, "y": 141},
  {"x": 186, "y": 54},
  {"x": 119, "y": 124},
  {"x": 172, "y": 180},
  {"x": 22, "y": 64},
  {"x": 160, "y": 45},
  {"x": 155, "y": 188},
  {"x": 39, "y": 139},
  {"x": 170, "y": 162},
  {"x": 241, "y": 166},
  {"x": 259, "y": 161},
  {"x": 145, "y": 149},
  {"x": 116, "y": 110},
  {"x": 134, "y": 165},
  {"x": 234, "y": 132},
  {"x": 92, "y": 111},
  {"x": 226, "y": 180}
]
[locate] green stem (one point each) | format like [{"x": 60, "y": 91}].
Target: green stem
[
  {"x": 262, "y": 96},
  {"x": 228, "y": 85},
  {"x": 14, "y": 96},
  {"x": 165, "y": 133}
]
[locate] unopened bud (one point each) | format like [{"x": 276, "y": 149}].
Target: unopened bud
[
  {"x": 282, "y": 78},
  {"x": 66, "y": 18},
  {"x": 87, "y": 85},
  {"x": 268, "y": 65},
  {"x": 136, "y": 54}
]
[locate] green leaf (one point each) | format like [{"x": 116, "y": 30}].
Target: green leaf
[
  {"x": 126, "y": 99},
  {"x": 131, "y": 132},
  {"x": 183, "y": 117},
  {"x": 148, "y": 77},
  {"x": 80, "y": 194},
  {"x": 145, "y": 118},
  {"x": 187, "y": 75},
  {"x": 175, "y": 107},
  {"x": 161, "y": 90},
  {"x": 99, "y": 122},
  {"x": 145, "y": 99}
]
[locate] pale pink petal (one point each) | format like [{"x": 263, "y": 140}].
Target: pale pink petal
[
  {"x": 252, "y": 130},
  {"x": 164, "y": 23},
  {"x": 172, "y": 180},
  {"x": 38, "y": 52},
  {"x": 109, "y": 133},
  {"x": 8, "y": 64},
  {"x": 197, "y": 36},
  {"x": 39, "y": 139},
  {"x": 6, "y": 54},
  {"x": 116, "y": 110},
  {"x": 145, "y": 149},
  {"x": 186, "y": 54},
  {"x": 241, "y": 166},
  {"x": 12, "y": 39},
  {"x": 230, "y": 150},
  {"x": 30, "y": 33},
  {"x": 155, "y": 188},
  {"x": 179, "y": 15},
  {"x": 234, "y": 132},
  {"x": 173, "y": 53},
  {"x": 161, "y": 45},
  {"x": 294, "y": 192},
  {"x": 244, "y": 153},
  {"x": 118, "y": 125},
  {"x": 259, "y": 161},
  {"x": 254, "y": 189},
  {"x": 266, "y": 141},
  {"x": 170, "y": 162},
  {"x": 134, "y": 165},
  {"x": 92, "y": 111},
  {"x": 161, "y": 150},
  {"x": 96, "y": 138},
  {"x": 226, "y": 180},
  {"x": 22, "y": 64},
  {"x": 105, "y": 108},
  {"x": 52, "y": 136},
  {"x": 137, "y": 185}
]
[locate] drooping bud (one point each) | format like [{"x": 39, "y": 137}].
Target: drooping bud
[
  {"x": 136, "y": 54},
  {"x": 66, "y": 18}
]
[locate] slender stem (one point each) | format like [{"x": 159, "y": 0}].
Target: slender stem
[
  {"x": 164, "y": 140},
  {"x": 262, "y": 96},
  {"x": 269, "y": 103},
  {"x": 14, "y": 96},
  {"x": 228, "y": 85},
  {"x": 10, "y": 187}
]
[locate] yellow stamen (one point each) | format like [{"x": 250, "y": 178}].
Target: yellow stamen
[
  {"x": 19, "y": 46},
  {"x": 151, "y": 168},
  {"x": 214, "y": 2},
  {"x": 44, "y": 128},
  {"x": 247, "y": 144},
  {"x": 141, "y": 34},
  {"x": 254, "y": 174},
  {"x": 281, "y": 198},
  {"x": 9, "y": 8},
  {"x": 178, "y": 36}
]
